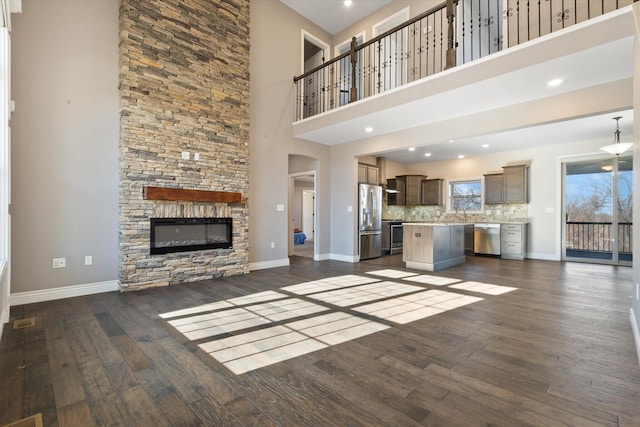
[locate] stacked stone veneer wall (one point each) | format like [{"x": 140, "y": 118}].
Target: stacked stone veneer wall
[{"x": 184, "y": 87}]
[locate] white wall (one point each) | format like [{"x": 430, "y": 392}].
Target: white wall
[
  {"x": 635, "y": 289},
  {"x": 275, "y": 59},
  {"x": 5, "y": 177},
  {"x": 65, "y": 143}
]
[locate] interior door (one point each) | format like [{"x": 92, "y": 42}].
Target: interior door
[
  {"x": 597, "y": 210},
  {"x": 308, "y": 213}
]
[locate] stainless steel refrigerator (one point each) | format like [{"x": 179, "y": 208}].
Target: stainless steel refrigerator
[{"x": 370, "y": 220}]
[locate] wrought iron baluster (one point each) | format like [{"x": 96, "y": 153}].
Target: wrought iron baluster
[{"x": 528, "y": 20}]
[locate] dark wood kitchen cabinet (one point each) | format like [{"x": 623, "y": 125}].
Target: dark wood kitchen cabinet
[
  {"x": 396, "y": 194},
  {"x": 493, "y": 188},
  {"x": 368, "y": 174},
  {"x": 432, "y": 192},
  {"x": 516, "y": 184},
  {"x": 412, "y": 189}
]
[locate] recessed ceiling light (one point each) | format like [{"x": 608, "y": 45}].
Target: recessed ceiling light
[
  {"x": 427, "y": 154},
  {"x": 451, "y": 140},
  {"x": 368, "y": 129},
  {"x": 347, "y": 3},
  {"x": 554, "y": 82},
  {"x": 412, "y": 149},
  {"x": 461, "y": 156},
  {"x": 485, "y": 145}
]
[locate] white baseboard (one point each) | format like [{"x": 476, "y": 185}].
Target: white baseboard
[
  {"x": 636, "y": 333},
  {"x": 321, "y": 257},
  {"x": 262, "y": 265},
  {"x": 543, "y": 257},
  {"x": 4, "y": 316},
  {"x": 345, "y": 258},
  {"x": 30, "y": 297}
]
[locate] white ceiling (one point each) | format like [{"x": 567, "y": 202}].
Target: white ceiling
[
  {"x": 591, "y": 56},
  {"x": 599, "y": 127},
  {"x": 332, "y": 15}
]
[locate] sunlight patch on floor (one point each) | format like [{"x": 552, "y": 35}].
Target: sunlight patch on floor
[
  {"x": 483, "y": 288},
  {"x": 235, "y": 319},
  {"x": 328, "y": 284},
  {"x": 432, "y": 280},
  {"x": 253, "y": 350},
  {"x": 347, "y": 297},
  {"x": 418, "y": 306},
  {"x": 391, "y": 274},
  {"x": 249, "y": 332}
]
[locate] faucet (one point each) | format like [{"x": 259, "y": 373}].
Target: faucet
[{"x": 464, "y": 214}]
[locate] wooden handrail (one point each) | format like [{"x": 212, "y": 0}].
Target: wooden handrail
[{"x": 382, "y": 36}]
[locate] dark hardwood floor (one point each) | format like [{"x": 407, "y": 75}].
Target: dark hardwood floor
[{"x": 557, "y": 350}]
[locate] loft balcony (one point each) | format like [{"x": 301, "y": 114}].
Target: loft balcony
[{"x": 451, "y": 67}]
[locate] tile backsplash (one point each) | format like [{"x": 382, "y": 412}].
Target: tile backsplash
[{"x": 492, "y": 213}]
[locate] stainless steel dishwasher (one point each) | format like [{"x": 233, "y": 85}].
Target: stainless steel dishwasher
[{"x": 486, "y": 239}]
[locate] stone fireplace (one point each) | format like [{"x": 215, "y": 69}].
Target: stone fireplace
[{"x": 184, "y": 125}]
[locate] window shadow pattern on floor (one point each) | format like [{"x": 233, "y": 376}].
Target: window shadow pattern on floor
[{"x": 264, "y": 328}]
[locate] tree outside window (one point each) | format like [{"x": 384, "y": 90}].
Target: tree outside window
[{"x": 465, "y": 196}]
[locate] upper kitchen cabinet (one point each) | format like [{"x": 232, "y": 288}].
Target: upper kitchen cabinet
[
  {"x": 493, "y": 188},
  {"x": 395, "y": 192},
  {"x": 515, "y": 186},
  {"x": 398, "y": 186},
  {"x": 432, "y": 192},
  {"x": 412, "y": 189},
  {"x": 368, "y": 174}
]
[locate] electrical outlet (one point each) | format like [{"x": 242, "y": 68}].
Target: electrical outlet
[
  {"x": 185, "y": 155},
  {"x": 88, "y": 260},
  {"x": 59, "y": 262},
  {"x": 196, "y": 156},
  {"x": 273, "y": 245}
]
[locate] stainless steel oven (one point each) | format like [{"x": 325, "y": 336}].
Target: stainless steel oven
[{"x": 396, "y": 237}]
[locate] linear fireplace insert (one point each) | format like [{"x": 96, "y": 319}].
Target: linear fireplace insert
[{"x": 189, "y": 234}]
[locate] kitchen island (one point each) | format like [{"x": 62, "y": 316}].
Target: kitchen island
[{"x": 432, "y": 246}]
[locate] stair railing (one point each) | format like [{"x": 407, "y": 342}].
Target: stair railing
[{"x": 456, "y": 31}]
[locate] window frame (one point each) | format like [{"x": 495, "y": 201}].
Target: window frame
[{"x": 449, "y": 201}]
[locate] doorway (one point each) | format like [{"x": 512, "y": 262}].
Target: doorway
[
  {"x": 597, "y": 210},
  {"x": 314, "y": 53},
  {"x": 303, "y": 214}
]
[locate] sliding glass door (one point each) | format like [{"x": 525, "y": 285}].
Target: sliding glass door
[{"x": 597, "y": 220}]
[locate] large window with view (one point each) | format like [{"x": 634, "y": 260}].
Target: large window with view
[
  {"x": 465, "y": 196},
  {"x": 598, "y": 210}
]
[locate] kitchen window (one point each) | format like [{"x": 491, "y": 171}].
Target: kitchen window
[{"x": 465, "y": 196}]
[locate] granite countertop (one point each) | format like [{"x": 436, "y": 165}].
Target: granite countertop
[
  {"x": 434, "y": 224},
  {"x": 462, "y": 223}
]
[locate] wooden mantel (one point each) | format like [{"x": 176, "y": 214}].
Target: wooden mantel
[{"x": 162, "y": 193}]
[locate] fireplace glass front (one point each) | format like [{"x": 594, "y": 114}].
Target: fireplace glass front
[{"x": 189, "y": 234}]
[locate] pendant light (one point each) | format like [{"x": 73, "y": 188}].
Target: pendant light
[{"x": 617, "y": 147}]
